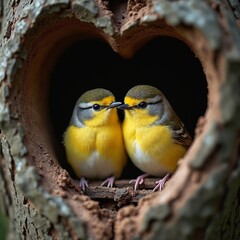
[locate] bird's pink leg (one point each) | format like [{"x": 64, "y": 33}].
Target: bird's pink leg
[
  {"x": 139, "y": 180},
  {"x": 108, "y": 182},
  {"x": 161, "y": 183},
  {"x": 83, "y": 183}
]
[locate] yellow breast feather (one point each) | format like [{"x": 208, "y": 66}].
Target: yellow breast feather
[{"x": 100, "y": 140}]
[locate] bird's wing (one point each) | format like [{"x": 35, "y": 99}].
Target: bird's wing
[{"x": 180, "y": 133}]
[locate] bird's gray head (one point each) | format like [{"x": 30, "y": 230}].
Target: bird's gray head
[
  {"x": 149, "y": 99},
  {"x": 94, "y": 103}
]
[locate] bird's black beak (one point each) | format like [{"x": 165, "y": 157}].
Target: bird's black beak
[
  {"x": 114, "y": 104},
  {"x": 124, "y": 107}
]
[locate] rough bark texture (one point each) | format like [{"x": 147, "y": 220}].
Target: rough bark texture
[{"x": 39, "y": 197}]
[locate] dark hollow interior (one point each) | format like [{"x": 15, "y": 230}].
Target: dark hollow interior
[{"x": 164, "y": 62}]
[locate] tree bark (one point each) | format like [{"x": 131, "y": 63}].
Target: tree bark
[{"x": 41, "y": 199}]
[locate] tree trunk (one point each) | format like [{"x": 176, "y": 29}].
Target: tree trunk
[{"x": 39, "y": 194}]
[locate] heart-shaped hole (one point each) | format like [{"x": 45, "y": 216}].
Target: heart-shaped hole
[{"x": 164, "y": 62}]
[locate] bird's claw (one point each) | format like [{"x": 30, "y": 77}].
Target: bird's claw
[
  {"x": 83, "y": 184},
  {"x": 161, "y": 183},
  {"x": 108, "y": 182},
  {"x": 139, "y": 180}
]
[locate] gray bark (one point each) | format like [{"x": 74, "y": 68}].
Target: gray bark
[{"x": 40, "y": 199}]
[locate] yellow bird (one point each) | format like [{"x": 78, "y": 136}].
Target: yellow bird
[
  {"x": 93, "y": 140},
  {"x": 155, "y": 138}
]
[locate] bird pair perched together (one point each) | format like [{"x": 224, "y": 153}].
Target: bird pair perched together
[{"x": 98, "y": 144}]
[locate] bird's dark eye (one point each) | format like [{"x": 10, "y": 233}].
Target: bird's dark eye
[
  {"x": 142, "y": 105},
  {"x": 96, "y": 107}
]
